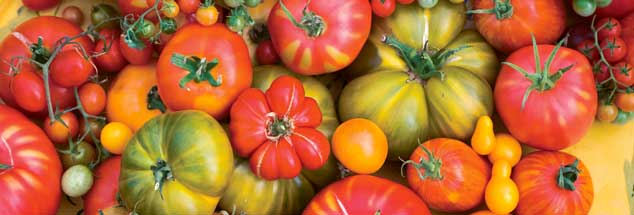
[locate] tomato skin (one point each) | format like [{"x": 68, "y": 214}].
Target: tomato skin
[
  {"x": 70, "y": 69},
  {"x": 38, "y": 176},
  {"x": 483, "y": 138},
  {"x": 58, "y": 133},
  {"x": 115, "y": 136},
  {"x": 360, "y": 146},
  {"x": 547, "y": 23},
  {"x": 93, "y": 98},
  {"x": 188, "y": 6},
  {"x": 611, "y": 28},
  {"x": 584, "y": 8},
  {"x": 383, "y": 9},
  {"x": 84, "y": 154},
  {"x": 607, "y": 113},
  {"x": 536, "y": 178},
  {"x": 112, "y": 60},
  {"x": 40, "y": 4},
  {"x": 95, "y": 127},
  {"x": 136, "y": 56},
  {"x": 617, "y": 9},
  {"x": 506, "y": 148},
  {"x": 334, "y": 49},
  {"x": 576, "y": 86},
  {"x": 625, "y": 101},
  {"x": 366, "y": 194},
  {"x": 266, "y": 54},
  {"x": 236, "y": 75},
  {"x": 462, "y": 172},
  {"x": 207, "y": 15},
  {"x": 73, "y": 14},
  {"x": 28, "y": 87},
  {"x": 588, "y": 49},
  {"x": 601, "y": 72},
  {"x": 103, "y": 193},
  {"x": 624, "y": 74},
  {"x": 614, "y": 49}
]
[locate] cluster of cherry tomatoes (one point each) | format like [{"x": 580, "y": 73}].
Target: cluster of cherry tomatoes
[{"x": 385, "y": 8}]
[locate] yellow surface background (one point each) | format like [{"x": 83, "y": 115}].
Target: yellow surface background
[{"x": 607, "y": 150}]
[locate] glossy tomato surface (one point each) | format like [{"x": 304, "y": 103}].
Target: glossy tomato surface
[{"x": 103, "y": 193}]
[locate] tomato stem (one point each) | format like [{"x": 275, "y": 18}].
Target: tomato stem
[
  {"x": 312, "y": 23},
  {"x": 154, "y": 100},
  {"x": 5, "y": 166},
  {"x": 431, "y": 166},
  {"x": 568, "y": 175},
  {"x": 502, "y": 10},
  {"x": 199, "y": 69},
  {"x": 277, "y": 128},
  {"x": 39, "y": 52},
  {"x": 162, "y": 173}
]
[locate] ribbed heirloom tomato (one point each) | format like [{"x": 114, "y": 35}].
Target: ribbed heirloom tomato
[{"x": 316, "y": 37}]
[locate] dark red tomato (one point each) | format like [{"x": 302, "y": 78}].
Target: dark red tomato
[
  {"x": 266, "y": 53},
  {"x": 188, "y": 6},
  {"x": 588, "y": 49},
  {"x": 601, "y": 72},
  {"x": 93, "y": 98},
  {"x": 448, "y": 175},
  {"x": 383, "y": 8},
  {"x": 617, "y": 9},
  {"x": 103, "y": 193},
  {"x": 404, "y": 1},
  {"x": 30, "y": 170},
  {"x": 28, "y": 88},
  {"x": 624, "y": 74},
  {"x": 564, "y": 110},
  {"x": 40, "y": 4},
  {"x": 614, "y": 49},
  {"x": 136, "y": 56},
  {"x": 544, "y": 178},
  {"x": 71, "y": 69},
  {"x": 111, "y": 60},
  {"x": 579, "y": 33},
  {"x": 366, "y": 194},
  {"x": 61, "y": 96},
  {"x": 610, "y": 28}
]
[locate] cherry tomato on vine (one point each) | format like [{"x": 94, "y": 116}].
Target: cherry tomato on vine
[
  {"x": 95, "y": 126},
  {"x": 93, "y": 98},
  {"x": 266, "y": 54},
  {"x": 115, "y": 136},
  {"x": 405, "y": 1},
  {"x": 236, "y": 24},
  {"x": 588, "y": 49},
  {"x": 110, "y": 59},
  {"x": 427, "y": 3},
  {"x": 189, "y": 6},
  {"x": 383, "y": 8},
  {"x": 60, "y": 133},
  {"x": 584, "y": 8},
  {"x": 136, "y": 56},
  {"x": 607, "y": 112},
  {"x": 170, "y": 9},
  {"x": 601, "y": 72},
  {"x": 624, "y": 117},
  {"x": 613, "y": 48},
  {"x": 70, "y": 68},
  {"x": 625, "y": 101},
  {"x": 82, "y": 153},
  {"x": 28, "y": 89},
  {"x": 103, "y": 12},
  {"x": 610, "y": 28},
  {"x": 624, "y": 74},
  {"x": 73, "y": 14},
  {"x": 147, "y": 29},
  {"x": 207, "y": 15}
]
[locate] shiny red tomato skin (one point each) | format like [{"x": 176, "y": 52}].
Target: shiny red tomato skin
[
  {"x": 188, "y": 6},
  {"x": 564, "y": 112},
  {"x": 624, "y": 74},
  {"x": 616, "y": 53},
  {"x": 611, "y": 28},
  {"x": 383, "y": 8},
  {"x": 103, "y": 193},
  {"x": 588, "y": 49},
  {"x": 602, "y": 73},
  {"x": 616, "y": 9},
  {"x": 28, "y": 87},
  {"x": 93, "y": 98},
  {"x": 366, "y": 194},
  {"x": 136, "y": 56},
  {"x": 70, "y": 69},
  {"x": 40, "y": 4},
  {"x": 464, "y": 176},
  {"x": 544, "y": 19},
  {"x": 112, "y": 60},
  {"x": 215, "y": 41},
  {"x": 627, "y": 34},
  {"x": 36, "y": 168},
  {"x": 335, "y": 48},
  {"x": 536, "y": 179},
  {"x": 266, "y": 54}
]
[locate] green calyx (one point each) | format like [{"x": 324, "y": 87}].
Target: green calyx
[
  {"x": 503, "y": 10},
  {"x": 568, "y": 175},
  {"x": 39, "y": 53},
  {"x": 162, "y": 173},
  {"x": 239, "y": 19},
  {"x": 431, "y": 165},
  {"x": 199, "y": 69},
  {"x": 154, "y": 100},
  {"x": 278, "y": 128},
  {"x": 541, "y": 79},
  {"x": 5, "y": 166},
  {"x": 312, "y": 23}
]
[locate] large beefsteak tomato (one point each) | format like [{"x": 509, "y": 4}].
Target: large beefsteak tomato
[
  {"x": 546, "y": 96},
  {"x": 317, "y": 37},
  {"x": 30, "y": 170},
  {"x": 277, "y": 130},
  {"x": 177, "y": 163},
  {"x": 508, "y": 25},
  {"x": 103, "y": 194},
  {"x": 411, "y": 99},
  {"x": 448, "y": 175},
  {"x": 366, "y": 194},
  {"x": 203, "y": 68},
  {"x": 553, "y": 183}
]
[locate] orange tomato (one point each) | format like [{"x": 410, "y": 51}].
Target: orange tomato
[
  {"x": 506, "y": 148},
  {"x": 115, "y": 136},
  {"x": 484, "y": 212},
  {"x": 93, "y": 98},
  {"x": 207, "y": 15},
  {"x": 483, "y": 139},
  {"x": 170, "y": 9},
  {"x": 60, "y": 133},
  {"x": 501, "y": 194},
  {"x": 360, "y": 145}
]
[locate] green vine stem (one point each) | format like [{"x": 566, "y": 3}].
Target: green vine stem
[
  {"x": 568, "y": 175},
  {"x": 199, "y": 69},
  {"x": 132, "y": 26},
  {"x": 5, "y": 166},
  {"x": 312, "y": 23},
  {"x": 502, "y": 10},
  {"x": 431, "y": 165}
]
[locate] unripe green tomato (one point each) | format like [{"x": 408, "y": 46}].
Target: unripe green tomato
[
  {"x": 77, "y": 180},
  {"x": 584, "y": 8},
  {"x": 603, "y": 3},
  {"x": 427, "y": 3}
]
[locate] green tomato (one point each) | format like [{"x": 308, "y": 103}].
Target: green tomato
[
  {"x": 168, "y": 25},
  {"x": 101, "y": 13},
  {"x": 427, "y": 3},
  {"x": 603, "y": 3},
  {"x": 146, "y": 29},
  {"x": 233, "y": 3},
  {"x": 252, "y": 3},
  {"x": 584, "y": 8},
  {"x": 84, "y": 153},
  {"x": 236, "y": 24},
  {"x": 623, "y": 117},
  {"x": 76, "y": 181}
]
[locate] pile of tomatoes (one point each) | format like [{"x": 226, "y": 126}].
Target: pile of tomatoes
[{"x": 313, "y": 107}]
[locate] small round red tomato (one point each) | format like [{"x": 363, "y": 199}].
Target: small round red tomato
[
  {"x": 70, "y": 68},
  {"x": 40, "y": 4},
  {"x": 614, "y": 49},
  {"x": 624, "y": 74},
  {"x": 383, "y": 8},
  {"x": 601, "y": 72},
  {"x": 610, "y": 27},
  {"x": 625, "y": 101},
  {"x": 62, "y": 97},
  {"x": 207, "y": 16},
  {"x": 266, "y": 54},
  {"x": 360, "y": 145},
  {"x": 111, "y": 59},
  {"x": 60, "y": 133},
  {"x": 93, "y": 98},
  {"x": 588, "y": 49},
  {"x": 28, "y": 89},
  {"x": 189, "y": 6},
  {"x": 607, "y": 112},
  {"x": 136, "y": 56},
  {"x": 405, "y": 1},
  {"x": 103, "y": 194}
]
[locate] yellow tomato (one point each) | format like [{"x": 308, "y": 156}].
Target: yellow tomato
[
  {"x": 506, "y": 148},
  {"x": 501, "y": 194},
  {"x": 360, "y": 145},
  {"x": 115, "y": 136},
  {"x": 170, "y": 9},
  {"x": 483, "y": 139},
  {"x": 484, "y": 212},
  {"x": 207, "y": 15}
]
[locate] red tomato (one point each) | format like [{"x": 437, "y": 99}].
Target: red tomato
[
  {"x": 277, "y": 130},
  {"x": 213, "y": 90},
  {"x": 29, "y": 162},
  {"x": 71, "y": 69},
  {"x": 540, "y": 183},
  {"x": 135, "y": 7},
  {"x": 61, "y": 96},
  {"x": 103, "y": 193},
  {"x": 601, "y": 72},
  {"x": 588, "y": 49},
  {"x": 617, "y": 9},
  {"x": 454, "y": 175},
  {"x": 611, "y": 28},
  {"x": 40, "y": 4},
  {"x": 28, "y": 87},
  {"x": 188, "y": 6},
  {"x": 93, "y": 98},
  {"x": 366, "y": 194},
  {"x": 383, "y": 8},
  {"x": 625, "y": 101},
  {"x": 18, "y": 43},
  {"x": 614, "y": 49},
  {"x": 404, "y": 1},
  {"x": 136, "y": 56},
  {"x": 564, "y": 110},
  {"x": 624, "y": 74},
  {"x": 519, "y": 20},
  {"x": 111, "y": 60},
  {"x": 60, "y": 133},
  {"x": 324, "y": 48},
  {"x": 266, "y": 54},
  {"x": 627, "y": 24}
]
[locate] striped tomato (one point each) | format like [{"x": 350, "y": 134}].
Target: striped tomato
[
  {"x": 366, "y": 194},
  {"x": 316, "y": 37},
  {"x": 30, "y": 170}
]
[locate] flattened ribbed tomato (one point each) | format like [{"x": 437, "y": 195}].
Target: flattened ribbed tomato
[
  {"x": 366, "y": 194},
  {"x": 277, "y": 130},
  {"x": 203, "y": 68},
  {"x": 328, "y": 37},
  {"x": 30, "y": 170}
]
